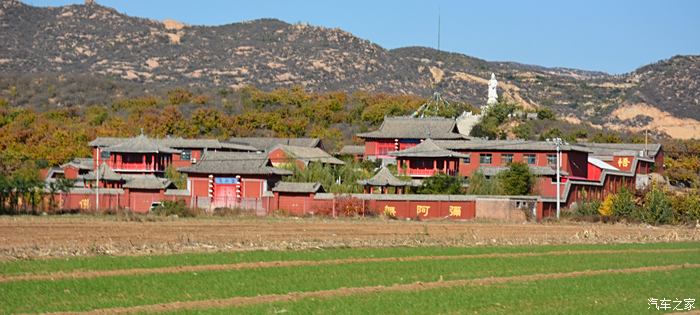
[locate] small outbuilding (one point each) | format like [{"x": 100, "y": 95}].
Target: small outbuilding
[
  {"x": 384, "y": 180},
  {"x": 295, "y": 198}
]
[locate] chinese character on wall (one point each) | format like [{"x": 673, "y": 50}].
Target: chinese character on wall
[
  {"x": 85, "y": 204},
  {"x": 623, "y": 162},
  {"x": 422, "y": 210},
  {"x": 455, "y": 211},
  {"x": 390, "y": 211}
]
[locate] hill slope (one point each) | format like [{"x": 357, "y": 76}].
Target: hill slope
[{"x": 101, "y": 43}]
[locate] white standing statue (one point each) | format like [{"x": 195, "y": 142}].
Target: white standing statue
[{"x": 493, "y": 94}]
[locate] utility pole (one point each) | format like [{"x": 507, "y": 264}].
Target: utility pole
[
  {"x": 558, "y": 143},
  {"x": 97, "y": 181},
  {"x": 438, "y": 43},
  {"x": 646, "y": 141}
]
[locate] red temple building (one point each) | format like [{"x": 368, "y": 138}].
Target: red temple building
[
  {"x": 427, "y": 159},
  {"x": 242, "y": 173},
  {"x": 400, "y": 133},
  {"x": 281, "y": 155},
  {"x": 588, "y": 170},
  {"x": 228, "y": 179}
]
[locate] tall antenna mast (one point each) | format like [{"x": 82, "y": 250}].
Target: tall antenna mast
[{"x": 438, "y": 47}]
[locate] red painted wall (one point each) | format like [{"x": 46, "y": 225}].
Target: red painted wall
[
  {"x": 199, "y": 185},
  {"x": 252, "y": 188},
  {"x": 380, "y": 147},
  {"x": 594, "y": 172},
  {"x": 427, "y": 166},
  {"x": 425, "y": 209},
  {"x": 300, "y": 204},
  {"x": 497, "y": 160},
  {"x": 297, "y": 204},
  {"x": 644, "y": 167},
  {"x": 251, "y": 185},
  {"x": 177, "y": 162},
  {"x": 145, "y": 163},
  {"x": 659, "y": 162},
  {"x": 546, "y": 186},
  {"x": 86, "y": 202},
  {"x": 623, "y": 163},
  {"x": 70, "y": 172},
  {"x": 613, "y": 184},
  {"x": 141, "y": 200}
]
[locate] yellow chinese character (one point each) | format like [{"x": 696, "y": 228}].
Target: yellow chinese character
[
  {"x": 390, "y": 211},
  {"x": 422, "y": 209},
  {"x": 623, "y": 162},
  {"x": 455, "y": 211},
  {"x": 85, "y": 204}
]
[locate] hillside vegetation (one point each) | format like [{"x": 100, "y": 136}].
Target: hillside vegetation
[{"x": 107, "y": 51}]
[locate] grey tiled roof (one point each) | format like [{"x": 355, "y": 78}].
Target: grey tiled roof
[
  {"x": 265, "y": 144},
  {"x": 103, "y": 191},
  {"x": 238, "y": 147},
  {"x": 415, "y": 128},
  {"x": 81, "y": 163},
  {"x": 177, "y": 192},
  {"x": 140, "y": 144},
  {"x": 632, "y": 149},
  {"x": 105, "y": 173},
  {"x": 506, "y": 145},
  {"x": 178, "y": 143},
  {"x": 352, "y": 150},
  {"x": 147, "y": 182},
  {"x": 427, "y": 148},
  {"x": 385, "y": 178},
  {"x": 214, "y": 144},
  {"x": 106, "y": 141},
  {"x": 298, "y": 187},
  {"x": 52, "y": 172},
  {"x": 309, "y": 154},
  {"x": 234, "y": 163},
  {"x": 183, "y": 143},
  {"x": 536, "y": 170}
]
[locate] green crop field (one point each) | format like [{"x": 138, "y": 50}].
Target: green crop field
[{"x": 609, "y": 279}]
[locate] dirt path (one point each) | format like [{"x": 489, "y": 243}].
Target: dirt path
[
  {"x": 295, "y": 263},
  {"x": 293, "y": 296},
  {"x": 36, "y": 237}
]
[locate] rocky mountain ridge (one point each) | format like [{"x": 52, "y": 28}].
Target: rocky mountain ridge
[{"x": 98, "y": 41}]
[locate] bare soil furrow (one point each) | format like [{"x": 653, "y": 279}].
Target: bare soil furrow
[{"x": 44, "y": 237}]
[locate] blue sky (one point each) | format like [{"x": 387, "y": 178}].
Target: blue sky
[{"x": 611, "y": 36}]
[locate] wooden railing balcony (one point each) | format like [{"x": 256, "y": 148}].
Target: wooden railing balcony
[
  {"x": 134, "y": 167},
  {"x": 427, "y": 172}
]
